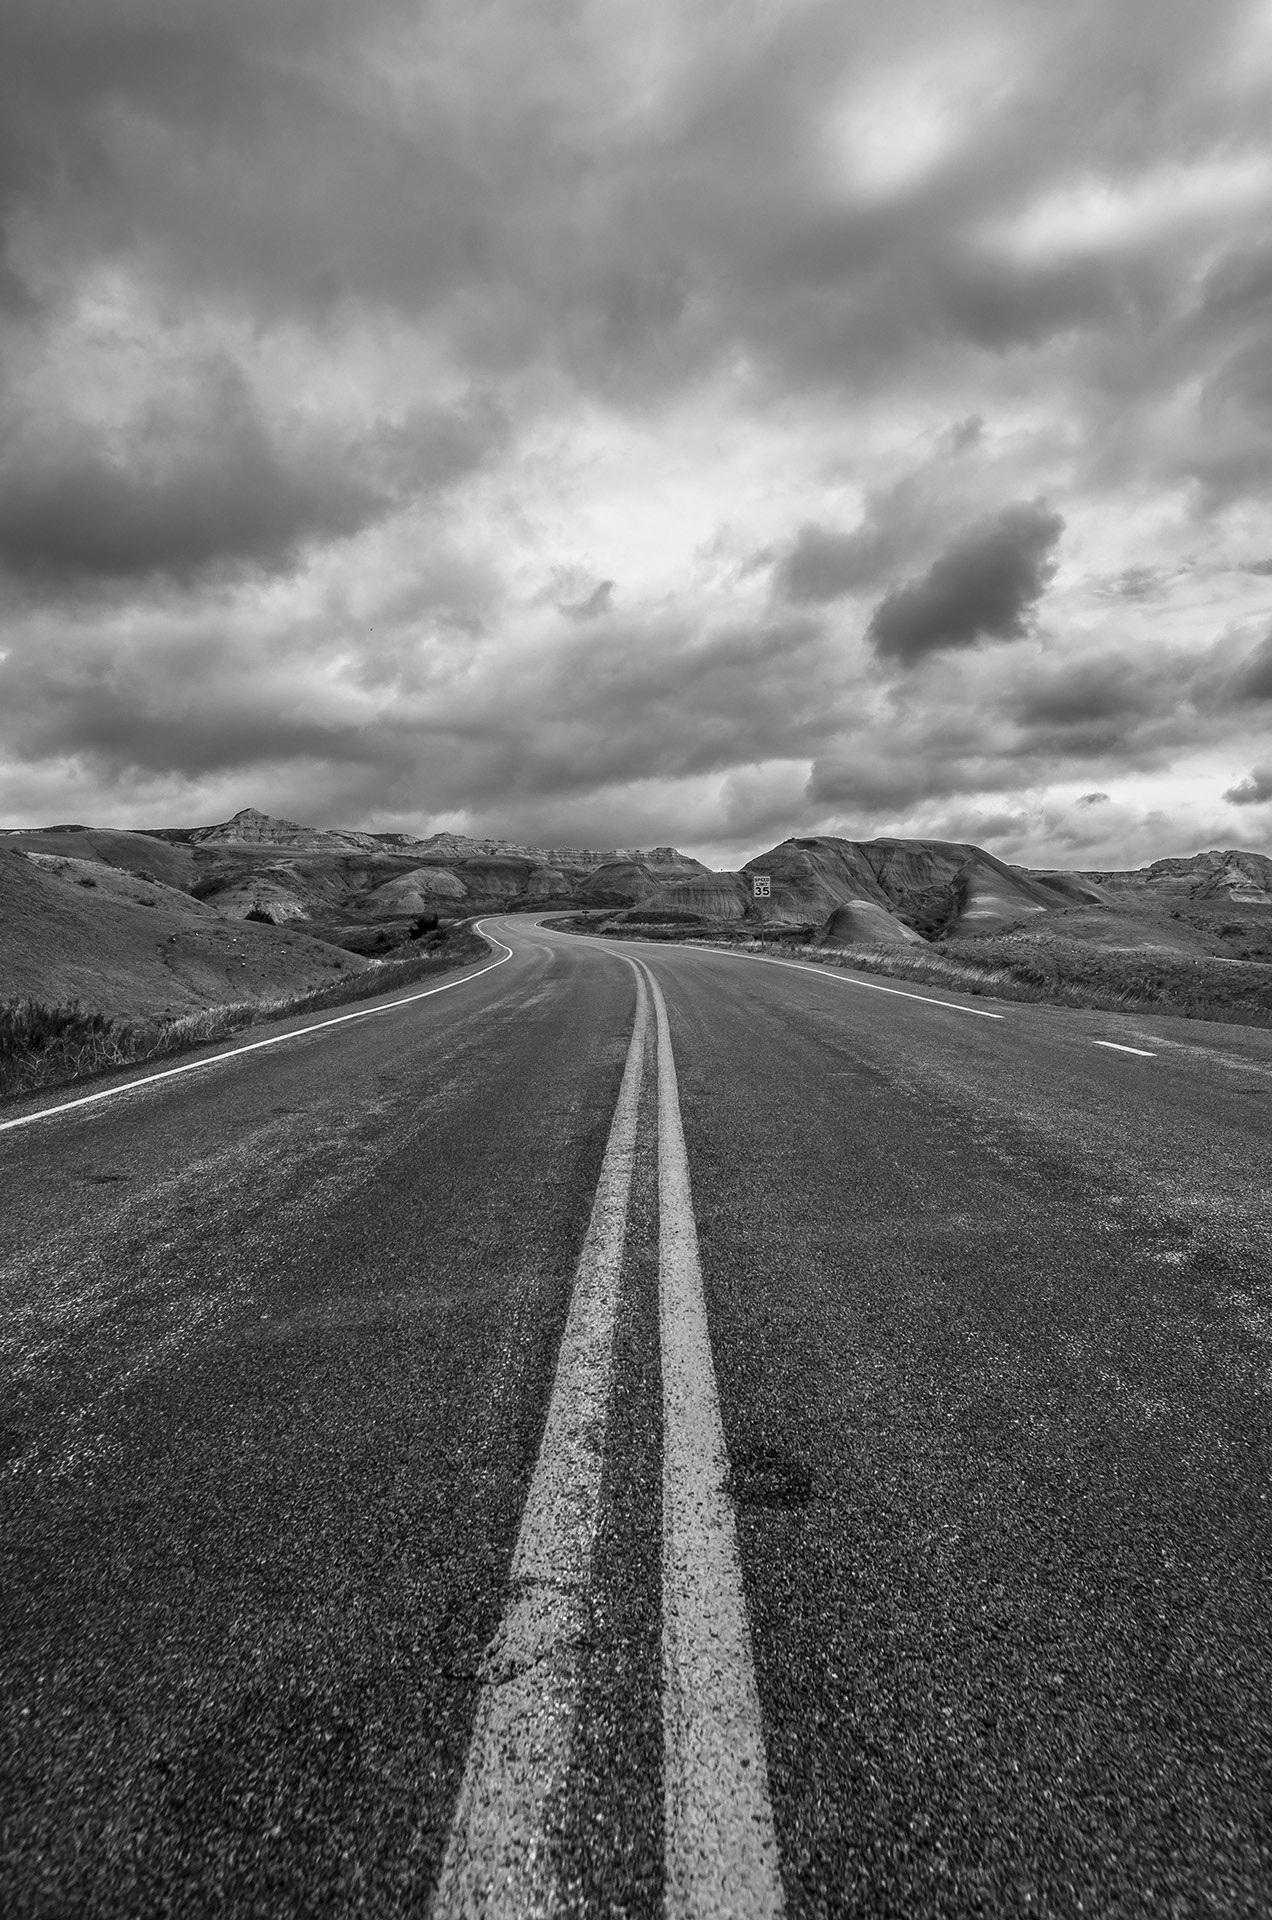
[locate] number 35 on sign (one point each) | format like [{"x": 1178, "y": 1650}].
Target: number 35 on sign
[{"x": 761, "y": 886}]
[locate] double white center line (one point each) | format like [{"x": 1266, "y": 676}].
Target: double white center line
[{"x": 721, "y": 1853}]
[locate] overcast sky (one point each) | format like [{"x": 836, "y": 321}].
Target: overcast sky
[{"x": 609, "y": 423}]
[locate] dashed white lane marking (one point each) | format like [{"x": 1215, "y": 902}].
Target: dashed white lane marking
[
  {"x": 255, "y": 1046},
  {"x": 496, "y": 1860},
  {"x": 1144, "y": 1052},
  {"x": 721, "y": 1850}
]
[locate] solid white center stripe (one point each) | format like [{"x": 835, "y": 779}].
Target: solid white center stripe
[
  {"x": 1143, "y": 1052},
  {"x": 496, "y": 1862},
  {"x": 721, "y": 1851}
]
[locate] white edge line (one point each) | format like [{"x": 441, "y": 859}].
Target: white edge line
[
  {"x": 1143, "y": 1052},
  {"x": 844, "y": 979},
  {"x": 254, "y": 1046}
]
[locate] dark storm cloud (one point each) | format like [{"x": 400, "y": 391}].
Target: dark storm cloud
[
  {"x": 1252, "y": 791},
  {"x": 579, "y": 714},
  {"x": 658, "y": 702},
  {"x": 983, "y": 588},
  {"x": 305, "y": 156},
  {"x": 120, "y": 728},
  {"x": 206, "y": 486},
  {"x": 823, "y": 565},
  {"x": 227, "y": 139},
  {"x": 1102, "y": 713},
  {"x": 983, "y": 728},
  {"x": 200, "y": 481},
  {"x": 119, "y": 738},
  {"x": 928, "y": 751},
  {"x": 999, "y": 304},
  {"x": 193, "y": 700},
  {"x": 1075, "y": 694},
  {"x": 597, "y": 603},
  {"x": 835, "y": 225},
  {"x": 867, "y": 786},
  {"x": 1252, "y": 681}
]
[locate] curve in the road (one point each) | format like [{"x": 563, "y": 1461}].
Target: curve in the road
[{"x": 255, "y": 1046}]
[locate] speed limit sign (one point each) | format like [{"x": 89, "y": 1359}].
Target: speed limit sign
[{"x": 761, "y": 886}]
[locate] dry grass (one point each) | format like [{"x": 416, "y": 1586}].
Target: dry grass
[
  {"x": 44, "y": 1046},
  {"x": 1066, "y": 973}
]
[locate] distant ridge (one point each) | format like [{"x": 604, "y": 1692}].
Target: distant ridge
[
  {"x": 898, "y": 889},
  {"x": 462, "y": 846},
  {"x": 252, "y": 828},
  {"x": 1231, "y": 874},
  {"x": 80, "y": 907},
  {"x": 888, "y": 890}
]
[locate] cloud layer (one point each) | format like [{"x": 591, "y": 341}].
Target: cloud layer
[
  {"x": 693, "y": 423},
  {"x": 984, "y": 587}
]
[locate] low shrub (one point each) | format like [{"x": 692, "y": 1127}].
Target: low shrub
[
  {"x": 661, "y": 917},
  {"x": 1068, "y": 973},
  {"x": 43, "y": 1046}
]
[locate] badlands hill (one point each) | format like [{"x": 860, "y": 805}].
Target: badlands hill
[
  {"x": 87, "y": 930},
  {"x": 1232, "y": 877},
  {"x": 174, "y": 917},
  {"x": 898, "y": 892}
]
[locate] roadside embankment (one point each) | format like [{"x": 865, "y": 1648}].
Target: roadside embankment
[
  {"x": 1064, "y": 972},
  {"x": 48, "y": 1046},
  {"x": 1011, "y": 966}
]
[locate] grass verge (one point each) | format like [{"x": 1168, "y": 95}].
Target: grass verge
[
  {"x": 1067, "y": 973},
  {"x": 51, "y": 1046}
]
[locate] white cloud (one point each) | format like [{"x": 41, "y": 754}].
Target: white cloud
[{"x": 519, "y": 421}]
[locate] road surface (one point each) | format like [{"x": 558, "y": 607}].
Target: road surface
[{"x": 642, "y": 1429}]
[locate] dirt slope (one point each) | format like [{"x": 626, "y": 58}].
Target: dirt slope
[
  {"x": 712, "y": 896},
  {"x": 1079, "y": 889},
  {"x": 249, "y": 827},
  {"x": 881, "y": 892},
  {"x": 811, "y": 878},
  {"x": 422, "y": 890},
  {"x": 75, "y": 929},
  {"x": 864, "y": 923},
  {"x": 1234, "y": 875},
  {"x": 256, "y": 863},
  {"x": 931, "y": 886},
  {"x": 630, "y": 882}
]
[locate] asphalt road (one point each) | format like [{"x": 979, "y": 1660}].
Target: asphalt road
[{"x": 990, "y": 1310}]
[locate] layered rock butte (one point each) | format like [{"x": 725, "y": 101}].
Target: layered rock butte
[{"x": 373, "y": 892}]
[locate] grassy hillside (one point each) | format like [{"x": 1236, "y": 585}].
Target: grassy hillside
[
  {"x": 49, "y": 1046},
  {"x": 73, "y": 929},
  {"x": 1067, "y": 973}
]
